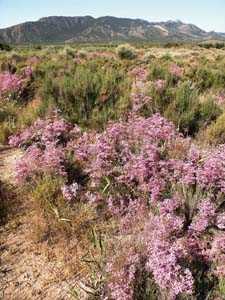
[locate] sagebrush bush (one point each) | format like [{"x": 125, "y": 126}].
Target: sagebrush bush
[
  {"x": 91, "y": 95},
  {"x": 207, "y": 78},
  {"x": 69, "y": 52},
  {"x": 215, "y": 133},
  {"x": 126, "y": 51},
  {"x": 82, "y": 53},
  {"x": 158, "y": 71},
  {"x": 188, "y": 113},
  {"x": 149, "y": 57}
]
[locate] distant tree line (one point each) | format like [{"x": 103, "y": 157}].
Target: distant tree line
[
  {"x": 5, "y": 47},
  {"x": 217, "y": 45}
]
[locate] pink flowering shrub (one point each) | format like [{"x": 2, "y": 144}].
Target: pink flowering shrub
[
  {"x": 70, "y": 191},
  {"x": 45, "y": 148},
  {"x": 131, "y": 170},
  {"x": 210, "y": 174},
  {"x": 43, "y": 132},
  {"x": 139, "y": 97},
  {"x": 220, "y": 98},
  {"x": 165, "y": 193},
  {"x": 175, "y": 250},
  {"x": 160, "y": 85},
  {"x": 129, "y": 154},
  {"x": 10, "y": 85},
  {"x": 205, "y": 216},
  {"x": 176, "y": 71},
  {"x": 164, "y": 254},
  {"x": 122, "y": 280},
  {"x": 36, "y": 161},
  {"x": 217, "y": 254},
  {"x": 139, "y": 100},
  {"x": 139, "y": 73}
]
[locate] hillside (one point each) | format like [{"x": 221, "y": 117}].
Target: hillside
[{"x": 57, "y": 29}]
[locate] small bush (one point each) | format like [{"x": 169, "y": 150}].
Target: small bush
[
  {"x": 216, "y": 132},
  {"x": 90, "y": 95},
  {"x": 222, "y": 287},
  {"x": 186, "y": 111},
  {"x": 82, "y": 54},
  {"x": 7, "y": 201},
  {"x": 126, "y": 52},
  {"x": 69, "y": 52},
  {"x": 167, "y": 57},
  {"x": 148, "y": 57},
  {"x": 5, "y": 47},
  {"x": 207, "y": 78},
  {"x": 158, "y": 71}
]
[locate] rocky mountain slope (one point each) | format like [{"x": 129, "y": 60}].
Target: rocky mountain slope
[{"x": 104, "y": 29}]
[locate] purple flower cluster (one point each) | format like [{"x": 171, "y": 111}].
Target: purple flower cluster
[
  {"x": 129, "y": 154},
  {"x": 70, "y": 191},
  {"x": 176, "y": 71},
  {"x": 139, "y": 73},
  {"x": 204, "y": 217},
  {"x": 45, "y": 143},
  {"x": 122, "y": 272},
  {"x": 163, "y": 190},
  {"x": 220, "y": 98},
  {"x": 211, "y": 173},
  {"x": 160, "y": 85},
  {"x": 43, "y": 132},
  {"x": 139, "y": 100},
  {"x": 36, "y": 161},
  {"x": 217, "y": 254},
  {"x": 165, "y": 253},
  {"x": 10, "y": 84}
]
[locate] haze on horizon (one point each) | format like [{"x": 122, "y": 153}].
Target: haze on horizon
[{"x": 207, "y": 14}]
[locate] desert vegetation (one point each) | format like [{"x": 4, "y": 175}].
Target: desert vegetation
[{"x": 119, "y": 174}]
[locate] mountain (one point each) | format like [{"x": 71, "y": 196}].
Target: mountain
[{"x": 104, "y": 29}]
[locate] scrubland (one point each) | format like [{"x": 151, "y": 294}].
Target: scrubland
[{"x": 113, "y": 173}]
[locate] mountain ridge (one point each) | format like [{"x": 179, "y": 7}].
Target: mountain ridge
[{"x": 65, "y": 29}]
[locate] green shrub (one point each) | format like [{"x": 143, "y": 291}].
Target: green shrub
[
  {"x": 207, "y": 78},
  {"x": 69, "y": 52},
  {"x": 167, "y": 57},
  {"x": 222, "y": 287},
  {"x": 82, "y": 53},
  {"x": 210, "y": 111},
  {"x": 126, "y": 51},
  {"x": 5, "y": 47},
  {"x": 216, "y": 132},
  {"x": 158, "y": 71},
  {"x": 186, "y": 111},
  {"x": 90, "y": 95},
  {"x": 204, "y": 78},
  {"x": 159, "y": 100},
  {"x": 148, "y": 57}
]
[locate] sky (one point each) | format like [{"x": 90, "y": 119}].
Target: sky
[{"x": 207, "y": 14}]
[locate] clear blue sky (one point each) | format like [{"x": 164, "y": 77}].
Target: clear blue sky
[{"x": 208, "y": 14}]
